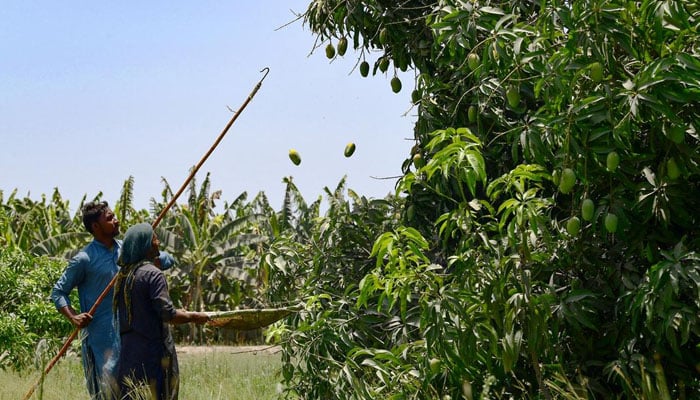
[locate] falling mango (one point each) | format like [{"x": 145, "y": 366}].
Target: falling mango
[
  {"x": 294, "y": 156},
  {"x": 349, "y": 149}
]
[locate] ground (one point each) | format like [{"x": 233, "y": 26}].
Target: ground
[{"x": 269, "y": 349}]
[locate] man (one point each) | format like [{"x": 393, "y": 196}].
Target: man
[
  {"x": 143, "y": 307},
  {"x": 91, "y": 270}
]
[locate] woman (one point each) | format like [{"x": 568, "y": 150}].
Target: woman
[{"x": 144, "y": 310}]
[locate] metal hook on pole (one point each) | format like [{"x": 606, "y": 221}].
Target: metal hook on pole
[
  {"x": 155, "y": 223},
  {"x": 211, "y": 149},
  {"x": 267, "y": 71}
]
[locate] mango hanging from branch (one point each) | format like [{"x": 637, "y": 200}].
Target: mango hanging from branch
[
  {"x": 364, "y": 69},
  {"x": 384, "y": 36},
  {"x": 587, "y": 209},
  {"x": 330, "y": 51},
  {"x": 612, "y": 161},
  {"x": 672, "y": 169},
  {"x": 383, "y": 64},
  {"x": 611, "y": 223},
  {"x": 473, "y": 60},
  {"x": 471, "y": 114},
  {"x": 513, "y": 96},
  {"x": 395, "y": 84},
  {"x": 342, "y": 46},
  {"x": 596, "y": 72},
  {"x": 567, "y": 181},
  {"x": 415, "y": 96},
  {"x": 573, "y": 225},
  {"x": 418, "y": 161}
]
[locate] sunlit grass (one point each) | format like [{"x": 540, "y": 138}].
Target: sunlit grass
[{"x": 205, "y": 374}]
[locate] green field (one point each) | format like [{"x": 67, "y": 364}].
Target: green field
[{"x": 206, "y": 373}]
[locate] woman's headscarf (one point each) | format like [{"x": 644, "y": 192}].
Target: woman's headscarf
[{"x": 137, "y": 242}]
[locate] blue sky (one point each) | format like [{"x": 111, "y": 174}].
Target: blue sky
[{"x": 94, "y": 92}]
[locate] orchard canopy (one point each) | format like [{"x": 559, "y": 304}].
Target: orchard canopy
[{"x": 548, "y": 242}]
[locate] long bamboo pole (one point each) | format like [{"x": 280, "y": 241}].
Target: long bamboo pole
[{"x": 160, "y": 217}]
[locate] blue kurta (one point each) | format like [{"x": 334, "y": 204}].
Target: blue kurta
[{"x": 91, "y": 270}]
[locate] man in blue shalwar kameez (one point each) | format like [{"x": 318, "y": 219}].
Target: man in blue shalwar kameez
[{"x": 91, "y": 270}]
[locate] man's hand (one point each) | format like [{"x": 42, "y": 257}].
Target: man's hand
[
  {"x": 199, "y": 317},
  {"x": 81, "y": 320}
]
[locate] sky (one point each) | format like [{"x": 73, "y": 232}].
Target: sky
[{"x": 92, "y": 93}]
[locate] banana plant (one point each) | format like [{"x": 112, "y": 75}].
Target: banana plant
[{"x": 217, "y": 252}]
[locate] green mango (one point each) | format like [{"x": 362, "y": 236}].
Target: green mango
[
  {"x": 295, "y": 157},
  {"x": 513, "y": 96},
  {"x": 473, "y": 61},
  {"x": 471, "y": 114},
  {"x": 596, "y": 72},
  {"x": 587, "y": 209},
  {"x": 383, "y": 36},
  {"x": 342, "y": 46},
  {"x": 395, "y": 84},
  {"x": 672, "y": 169},
  {"x": 330, "y": 50},
  {"x": 411, "y": 212},
  {"x": 612, "y": 161},
  {"x": 611, "y": 223},
  {"x": 364, "y": 68},
  {"x": 415, "y": 96},
  {"x": 573, "y": 226},
  {"x": 568, "y": 180},
  {"x": 418, "y": 160},
  {"x": 349, "y": 149},
  {"x": 383, "y": 64}
]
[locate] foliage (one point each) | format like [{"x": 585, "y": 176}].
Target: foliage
[
  {"x": 482, "y": 280},
  {"x": 43, "y": 228},
  {"x": 26, "y": 313},
  {"x": 324, "y": 271}
]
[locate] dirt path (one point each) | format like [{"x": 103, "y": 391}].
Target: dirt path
[{"x": 266, "y": 349}]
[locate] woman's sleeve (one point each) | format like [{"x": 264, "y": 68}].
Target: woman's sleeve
[{"x": 160, "y": 298}]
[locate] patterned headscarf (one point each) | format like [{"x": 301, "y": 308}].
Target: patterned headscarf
[{"x": 137, "y": 243}]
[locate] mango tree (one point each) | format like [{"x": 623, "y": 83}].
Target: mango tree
[{"x": 549, "y": 240}]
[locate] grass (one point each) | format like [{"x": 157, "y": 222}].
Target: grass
[{"x": 205, "y": 373}]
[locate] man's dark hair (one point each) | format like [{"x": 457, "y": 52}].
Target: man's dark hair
[{"x": 92, "y": 211}]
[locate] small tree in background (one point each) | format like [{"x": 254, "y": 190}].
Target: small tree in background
[{"x": 27, "y": 315}]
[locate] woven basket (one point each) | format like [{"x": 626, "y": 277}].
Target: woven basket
[{"x": 248, "y": 319}]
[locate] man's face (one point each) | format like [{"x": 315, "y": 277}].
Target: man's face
[
  {"x": 107, "y": 224},
  {"x": 154, "y": 251}
]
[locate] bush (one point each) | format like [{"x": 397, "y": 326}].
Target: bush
[{"x": 27, "y": 315}]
